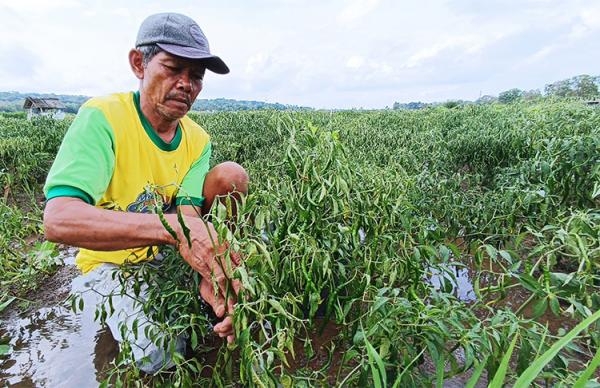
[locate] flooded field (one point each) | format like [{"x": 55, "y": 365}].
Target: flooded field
[{"x": 52, "y": 346}]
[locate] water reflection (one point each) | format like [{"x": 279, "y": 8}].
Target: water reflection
[
  {"x": 454, "y": 279},
  {"x": 55, "y": 347}
]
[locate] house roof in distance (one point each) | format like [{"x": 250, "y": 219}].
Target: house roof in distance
[{"x": 45, "y": 103}]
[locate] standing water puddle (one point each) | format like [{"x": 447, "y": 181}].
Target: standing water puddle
[
  {"x": 459, "y": 281},
  {"x": 55, "y": 347}
]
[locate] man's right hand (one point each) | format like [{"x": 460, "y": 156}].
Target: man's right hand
[
  {"x": 221, "y": 307},
  {"x": 215, "y": 264}
]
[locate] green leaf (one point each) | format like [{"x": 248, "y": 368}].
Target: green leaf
[
  {"x": 377, "y": 366},
  {"x": 245, "y": 280},
  {"x": 554, "y": 305},
  {"x": 277, "y": 306},
  {"x": 476, "y": 374},
  {"x": 539, "y": 308},
  {"x": 588, "y": 372},
  {"x": 500, "y": 375},
  {"x": 536, "y": 367},
  {"x": 4, "y": 349},
  {"x": 7, "y": 302},
  {"x": 380, "y": 301},
  {"x": 194, "y": 339},
  {"x": 529, "y": 283},
  {"x": 506, "y": 256},
  {"x": 439, "y": 371},
  {"x": 491, "y": 251}
]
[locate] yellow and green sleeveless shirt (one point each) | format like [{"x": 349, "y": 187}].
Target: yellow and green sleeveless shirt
[{"x": 111, "y": 157}]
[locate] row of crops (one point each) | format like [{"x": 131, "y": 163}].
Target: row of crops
[
  {"x": 27, "y": 149},
  {"x": 359, "y": 224}
]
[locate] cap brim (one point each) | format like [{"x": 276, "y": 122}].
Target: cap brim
[{"x": 212, "y": 62}]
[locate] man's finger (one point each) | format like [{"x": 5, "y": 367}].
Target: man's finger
[
  {"x": 236, "y": 259},
  {"x": 225, "y": 327},
  {"x": 217, "y": 302}
]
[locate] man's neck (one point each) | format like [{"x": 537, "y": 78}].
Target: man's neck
[{"x": 163, "y": 127}]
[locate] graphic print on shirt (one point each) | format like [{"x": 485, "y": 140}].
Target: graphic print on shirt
[{"x": 147, "y": 201}]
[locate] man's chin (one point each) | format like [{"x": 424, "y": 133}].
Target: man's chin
[{"x": 172, "y": 113}]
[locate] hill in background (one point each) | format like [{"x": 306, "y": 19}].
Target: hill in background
[{"x": 13, "y": 102}]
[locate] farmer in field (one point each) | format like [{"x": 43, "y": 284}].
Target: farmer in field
[{"x": 122, "y": 148}]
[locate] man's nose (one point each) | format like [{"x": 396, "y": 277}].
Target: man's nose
[{"x": 185, "y": 82}]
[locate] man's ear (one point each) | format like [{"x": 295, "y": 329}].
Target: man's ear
[{"x": 136, "y": 61}]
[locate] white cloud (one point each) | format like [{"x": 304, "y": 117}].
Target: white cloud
[
  {"x": 587, "y": 22},
  {"x": 469, "y": 44},
  {"x": 338, "y": 53},
  {"x": 38, "y": 6},
  {"x": 256, "y": 62},
  {"x": 539, "y": 55},
  {"x": 357, "y": 9},
  {"x": 355, "y": 62}
]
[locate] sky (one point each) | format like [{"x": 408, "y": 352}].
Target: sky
[{"x": 322, "y": 54}]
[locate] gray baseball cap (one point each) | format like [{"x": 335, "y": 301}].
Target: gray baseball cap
[{"x": 179, "y": 35}]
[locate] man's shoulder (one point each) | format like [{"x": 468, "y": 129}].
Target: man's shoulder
[{"x": 110, "y": 101}]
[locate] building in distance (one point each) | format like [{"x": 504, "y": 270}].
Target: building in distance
[{"x": 47, "y": 107}]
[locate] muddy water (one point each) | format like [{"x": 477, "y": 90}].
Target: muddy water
[
  {"x": 53, "y": 347},
  {"x": 459, "y": 282}
]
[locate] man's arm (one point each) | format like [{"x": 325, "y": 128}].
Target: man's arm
[
  {"x": 191, "y": 210},
  {"x": 72, "y": 221}
]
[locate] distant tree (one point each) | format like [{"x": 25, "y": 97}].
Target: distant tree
[
  {"x": 486, "y": 99},
  {"x": 559, "y": 89},
  {"x": 13, "y": 102},
  {"x": 416, "y": 105},
  {"x": 452, "y": 104},
  {"x": 585, "y": 86},
  {"x": 582, "y": 86},
  {"x": 530, "y": 95},
  {"x": 510, "y": 96},
  {"x": 413, "y": 105}
]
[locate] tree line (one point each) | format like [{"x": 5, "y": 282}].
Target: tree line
[
  {"x": 13, "y": 102},
  {"x": 582, "y": 86}
]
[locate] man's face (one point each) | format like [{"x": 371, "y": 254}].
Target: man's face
[{"x": 171, "y": 84}]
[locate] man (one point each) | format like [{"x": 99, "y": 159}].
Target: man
[{"x": 121, "y": 148}]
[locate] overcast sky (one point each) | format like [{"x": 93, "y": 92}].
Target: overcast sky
[{"x": 324, "y": 54}]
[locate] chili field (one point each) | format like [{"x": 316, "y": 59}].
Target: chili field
[{"x": 356, "y": 229}]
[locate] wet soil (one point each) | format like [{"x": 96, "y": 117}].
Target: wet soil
[{"x": 52, "y": 289}]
